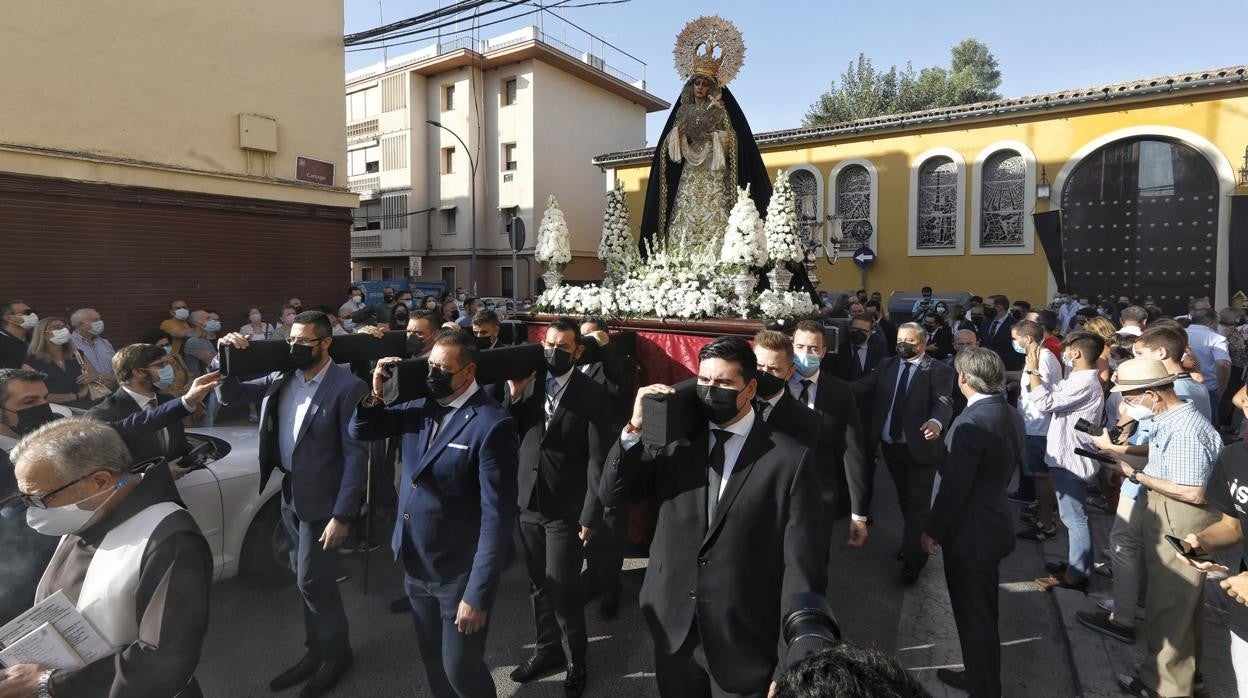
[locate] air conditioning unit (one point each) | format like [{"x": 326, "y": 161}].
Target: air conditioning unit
[{"x": 595, "y": 61}]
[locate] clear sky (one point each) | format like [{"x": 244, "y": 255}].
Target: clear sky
[{"x": 796, "y": 47}]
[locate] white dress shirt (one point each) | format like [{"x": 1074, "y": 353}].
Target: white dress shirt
[
  {"x": 293, "y": 405},
  {"x": 770, "y": 403},
  {"x": 453, "y": 406}
]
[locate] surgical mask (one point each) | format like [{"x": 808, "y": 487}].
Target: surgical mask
[
  {"x": 1139, "y": 412},
  {"x": 558, "y": 361},
  {"x": 213, "y": 326},
  {"x": 807, "y": 363},
  {"x": 1018, "y": 347},
  {"x": 33, "y": 417},
  {"x": 407, "y": 303},
  {"x": 69, "y": 519},
  {"x": 906, "y": 350},
  {"x": 717, "y": 405},
  {"x": 60, "y": 336},
  {"x": 97, "y": 328},
  {"x": 857, "y": 337},
  {"x": 164, "y": 377},
  {"x": 255, "y": 318},
  {"x": 181, "y": 313},
  {"x": 348, "y": 324},
  {"x": 1068, "y": 362},
  {"x": 768, "y": 384},
  {"x": 438, "y": 383},
  {"x": 357, "y": 298},
  {"x": 29, "y": 321},
  {"x": 302, "y": 357}
]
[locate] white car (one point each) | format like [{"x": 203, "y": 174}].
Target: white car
[{"x": 243, "y": 526}]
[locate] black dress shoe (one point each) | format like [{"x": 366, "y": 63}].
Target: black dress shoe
[
  {"x": 609, "y": 607},
  {"x": 401, "y": 605},
  {"x": 574, "y": 684},
  {"x": 949, "y": 677},
  {"x": 297, "y": 674},
  {"x": 537, "y": 666},
  {"x": 325, "y": 677}
]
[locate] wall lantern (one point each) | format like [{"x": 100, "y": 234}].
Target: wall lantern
[
  {"x": 1243, "y": 170},
  {"x": 1042, "y": 188}
]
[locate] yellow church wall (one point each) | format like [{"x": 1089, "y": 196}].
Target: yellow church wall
[{"x": 1219, "y": 118}]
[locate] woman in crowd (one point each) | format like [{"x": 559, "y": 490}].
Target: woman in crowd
[
  {"x": 287, "y": 315},
  {"x": 1104, "y": 329},
  {"x": 399, "y": 317},
  {"x": 256, "y": 328},
  {"x": 69, "y": 375}
]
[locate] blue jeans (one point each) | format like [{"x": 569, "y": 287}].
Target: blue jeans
[
  {"x": 454, "y": 662},
  {"x": 1071, "y": 490}
]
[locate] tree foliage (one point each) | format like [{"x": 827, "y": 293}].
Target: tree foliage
[{"x": 863, "y": 92}]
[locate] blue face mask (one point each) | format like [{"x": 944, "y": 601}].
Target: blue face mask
[
  {"x": 1018, "y": 347},
  {"x": 348, "y": 324},
  {"x": 213, "y": 326},
  {"x": 164, "y": 377},
  {"x": 807, "y": 363}
]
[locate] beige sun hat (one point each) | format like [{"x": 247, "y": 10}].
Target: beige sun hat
[{"x": 1138, "y": 374}]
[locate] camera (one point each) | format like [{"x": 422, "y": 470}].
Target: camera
[
  {"x": 809, "y": 628},
  {"x": 1115, "y": 432}
]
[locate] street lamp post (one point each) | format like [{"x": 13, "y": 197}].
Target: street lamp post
[{"x": 472, "y": 174}]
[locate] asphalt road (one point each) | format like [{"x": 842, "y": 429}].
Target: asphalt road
[{"x": 255, "y": 633}]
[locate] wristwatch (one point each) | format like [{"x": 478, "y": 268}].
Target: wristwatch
[
  {"x": 45, "y": 683},
  {"x": 1031, "y": 372},
  {"x": 1132, "y": 476}
]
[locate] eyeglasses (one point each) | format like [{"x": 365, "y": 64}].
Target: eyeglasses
[
  {"x": 304, "y": 341},
  {"x": 39, "y": 501}
]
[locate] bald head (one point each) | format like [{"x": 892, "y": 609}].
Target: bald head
[{"x": 964, "y": 339}]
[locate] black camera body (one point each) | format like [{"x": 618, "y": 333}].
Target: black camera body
[{"x": 1115, "y": 432}]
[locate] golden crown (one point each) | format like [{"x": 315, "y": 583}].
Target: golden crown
[
  {"x": 706, "y": 63},
  {"x": 709, "y": 46}
]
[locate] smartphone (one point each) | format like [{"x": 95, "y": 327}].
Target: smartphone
[{"x": 1178, "y": 545}]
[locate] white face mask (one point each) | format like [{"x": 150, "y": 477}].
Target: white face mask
[
  {"x": 29, "y": 321},
  {"x": 181, "y": 313},
  {"x": 68, "y": 519},
  {"x": 60, "y": 336},
  {"x": 97, "y": 328},
  {"x": 1139, "y": 412}
]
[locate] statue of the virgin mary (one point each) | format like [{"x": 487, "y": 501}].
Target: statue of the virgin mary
[{"x": 706, "y": 150}]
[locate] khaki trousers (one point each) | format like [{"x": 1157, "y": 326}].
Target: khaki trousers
[{"x": 1175, "y": 597}]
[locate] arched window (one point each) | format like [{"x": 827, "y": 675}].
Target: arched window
[
  {"x": 853, "y": 205},
  {"x": 937, "y": 206},
  {"x": 1001, "y": 200},
  {"x": 805, "y": 183}
]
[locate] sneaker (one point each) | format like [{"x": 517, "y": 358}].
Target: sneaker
[
  {"x": 1107, "y": 605},
  {"x": 1038, "y": 534},
  {"x": 1029, "y": 519},
  {"x": 1101, "y": 623},
  {"x": 1096, "y": 501},
  {"x": 1031, "y": 508}
]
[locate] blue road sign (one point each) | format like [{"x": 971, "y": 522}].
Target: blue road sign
[{"x": 864, "y": 257}]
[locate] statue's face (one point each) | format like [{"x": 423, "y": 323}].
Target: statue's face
[{"x": 701, "y": 88}]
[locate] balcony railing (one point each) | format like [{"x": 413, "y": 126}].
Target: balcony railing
[
  {"x": 364, "y": 184},
  {"x": 362, "y": 129},
  {"x": 360, "y": 243}
]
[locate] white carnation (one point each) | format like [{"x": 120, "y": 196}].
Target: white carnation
[{"x": 554, "y": 245}]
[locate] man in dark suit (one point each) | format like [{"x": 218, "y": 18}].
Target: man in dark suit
[
  {"x": 910, "y": 406},
  {"x": 457, "y": 508},
  {"x": 740, "y": 530},
  {"x": 304, "y": 414},
  {"x": 143, "y": 370},
  {"x": 884, "y": 327},
  {"x": 564, "y": 437},
  {"x": 939, "y": 337},
  {"x": 971, "y": 519},
  {"x": 844, "y": 469},
  {"x": 995, "y": 334},
  {"x": 863, "y": 351},
  {"x": 604, "y": 555}
]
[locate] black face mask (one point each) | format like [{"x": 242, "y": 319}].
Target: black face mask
[
  {"x": 990, "y": 313},
  {"x": 389, "y": 297},
  {"x": 906, "y": 350},
  {"x": 558, "y": 361},
  {"x": 33, "y": 417},
  {"x": 977, "y": 319},
  {"x": 484, "y": 343},
  {"x": 857, "y": 337},
  {"x": 769, "y": 385},
  {"x": 717, "y": 405},
  {"x": 1016, "y": 313},
  {"x": 438, "y": 383},
  {"x": 930, "y": 328},
  {"x": 1122, "y": 305},
  {"x": 415, "y": 345},
  {"x": 302, "y": 357}
]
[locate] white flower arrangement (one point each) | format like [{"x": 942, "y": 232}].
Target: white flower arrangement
[
  {"x": 783, "y": 244},
  {"x": 553, "y": 242},
  {"x": 616, "y": 249},
  {"x": 745, "y": 243},
  {"x": 785, "y": 305}
]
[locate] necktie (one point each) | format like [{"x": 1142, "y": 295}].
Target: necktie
[
  {"x": 992, "y": 329},
  {"x": 804, "y": 396},
  {"x": 760, "y": 407},
  {"x": 899, "y": 401},
  {"x": 862, "y": 360},
  {"x": 437, "y": 412},
  {"x": 163, "y": 434},
  {"x": 552, "y": 397},
  {"x": 715, "y": 475}
]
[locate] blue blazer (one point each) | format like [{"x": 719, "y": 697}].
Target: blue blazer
[
  {"x": 457, "y": 496},
  {"x": 329, "y": 467}
]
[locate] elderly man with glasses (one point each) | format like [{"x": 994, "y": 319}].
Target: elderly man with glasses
[{"x": 130, "y": 557}]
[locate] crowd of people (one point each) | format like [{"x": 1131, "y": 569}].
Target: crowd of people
[{"x": 1083, "y": 404}]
